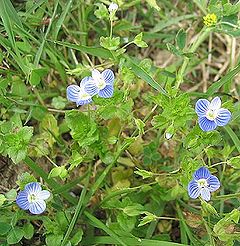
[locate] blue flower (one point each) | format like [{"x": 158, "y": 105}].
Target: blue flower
[
  {"x": 211, "y": 114},
  {"x": 101, "y": 83},
  {"x": 202, "y": 184},
  {"x": 78, "y": 94},
  {"x": 32, "y": 198}
]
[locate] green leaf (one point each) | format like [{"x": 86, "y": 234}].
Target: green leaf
[
  {"x": 15, "y": 235},
  {"x": 234, "y": 162},
  {"x": 11, "y": 195},
  {"x": 54, "y": 240},
  {"x": 153, "y": 3},
  {"x": 77, "y": 237},
  {"x": 94, "y": 51},
  {"x": 4, "y": 228},
  {"x": 145, "y": 174},
  {"x": 2, "y": 200},
  {"x": 83, "y": 129},
  {"x": 75, "y": 160},
  {"x": 147, "y": 219},
  {"x": 217, "y": 85},
  {"x": 17, "y": 143},
  {"x": 59, "y": 102},
  {"x": 110, "y": 43},
  {"x": 140, "y": 72},
  {"x": 102, "y": 11},
  {"x": 58, "y": 172},
  {"x": 25, "y": 179},
  {"x": 134, "y": 210},
  {"x": 139, "y": 42},
  {"x": 28, "y": 231},
  {"x": 36, "y": 75},
  {"x": 181, "y": 39}
]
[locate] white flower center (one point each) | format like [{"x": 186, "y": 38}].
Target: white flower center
[
  {"x": 100, "y": 83},
  {"x": 32, "y": 197},
  {"x": 211, "y": 114},
  {"x": 202, "y": 183},
  {"x": 84, "y": 95}
]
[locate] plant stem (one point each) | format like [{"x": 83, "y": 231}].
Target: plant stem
[
  {"x": 201, "y": 37},
  {"x": 77, "y": 211}
]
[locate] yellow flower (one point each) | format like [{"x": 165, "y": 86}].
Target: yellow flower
[{"x": 210, "y": 20}]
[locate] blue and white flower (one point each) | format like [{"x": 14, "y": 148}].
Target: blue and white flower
[
  {"x": 78, "y": 94},
  {"x": 211, "y": 114},
  {"x": 202, "y": 184},
  {"x": 101, "y": 83},
  {"x": 33, "y": 198}
]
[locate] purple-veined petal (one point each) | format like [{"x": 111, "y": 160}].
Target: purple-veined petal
[
  {"x": 108, "y": 76},
  {"x": 83, "y": 102},
  {"x": 206, "y": 124},
  {"x": 33, "y": 188},
  {"x": 205, "y": 194},
  {"x": 22, "y": 200},
  {"x": 224, "y": 116},
  {"x": 193, "y": 189},
  {"x": 85, "y": 81},
  {"x": 37, "y": 207},
  {"x": 43, "y": 195},
  {"x": 201, "y": 173},
  {"x": 215, "y": 104},
  {"x": 73, "y": 93},
  {"x": 106, "y": 92},
  {"x": 201, "y": 107},
  {"x": 91, "y": 87},
  {"x": 213, "y": 183}
]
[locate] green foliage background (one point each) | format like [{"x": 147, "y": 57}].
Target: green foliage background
[{"x": 118, "y": 169}]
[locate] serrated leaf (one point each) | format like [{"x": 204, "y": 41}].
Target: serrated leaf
[
  {"x": 110, "y": 43},
  {"x": 83, "y": 129}
]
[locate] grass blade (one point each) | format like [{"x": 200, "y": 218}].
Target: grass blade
[
  {"x": 105, "y": 240},
  {"x": 145, "y": 76},
  {"x": 94, "y": 51},
  {"x": 217, "y": 85},
  {"x": 97, "y": 223},
  {"x": 234, "y": 137}
]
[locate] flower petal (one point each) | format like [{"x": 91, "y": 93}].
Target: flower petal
[
  {"x": 193, "y": 189},
  {"x": 85, "y": 81},
  {"x": 108, "y": 76},
  {"x": 33, "y": 188},
  {"x": 215, "y": 104},
  {"x": 201, "y": 107},
  {"x": 91, "y": 87},
  {"x": 37, "y": 207},
  {"x": 206, "y": 124},
  {"x": 205, "y": 194},
  {"x": 201, "y": 173},
  {"x": 96, "y": 75},
  {"x": 83, "y": 102},
  {"x": 43, "y": 195},
  {"x": 106, "y": 92},
  {"x": 213, "y": 183},
  {"x": 22, "y": 200},
  {"x": 224, "y": 116},
  {"x": 73, "y": 93}
]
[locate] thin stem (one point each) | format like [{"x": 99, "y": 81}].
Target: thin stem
[
  {"x": 201, "y": 37},
  {"x": 77, "y": 211}
]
